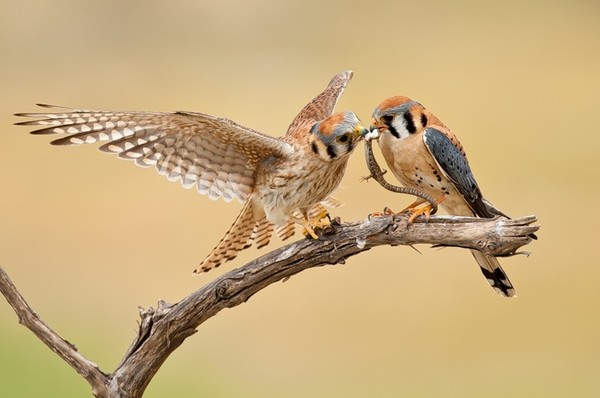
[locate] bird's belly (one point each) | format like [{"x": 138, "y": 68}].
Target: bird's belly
[
  {"x": 285, "y": 191},
  {"x": 424, "y": 175},
  {"x": 280, "y": 197}
]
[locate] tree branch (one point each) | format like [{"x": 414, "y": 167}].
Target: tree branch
[
  {"x": 163, "y": 330},
  {"x": 67, "y": 351}
]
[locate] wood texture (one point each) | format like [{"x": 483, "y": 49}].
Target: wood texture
[{"x": 164, "y": 329}]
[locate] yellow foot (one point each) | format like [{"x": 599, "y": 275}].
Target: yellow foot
[
  {"x": 309, "y": 231},
  {"x": 411, "y": 206},
  {"x": 320, "y": 219},
  {"x": 308, "y": 227},
  {"x": 386, "y": 212},
  {"x": 415, "y": 211},
  {"x": 316, "y": 221}
]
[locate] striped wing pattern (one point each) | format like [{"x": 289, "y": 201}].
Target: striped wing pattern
[
  {"x": 216, "y": 155},
  {"x": 322, "y": 106}
]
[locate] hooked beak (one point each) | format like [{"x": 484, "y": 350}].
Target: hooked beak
[
  {"x": 360, "y": 132},
  {"x": 375, "y": 130}
]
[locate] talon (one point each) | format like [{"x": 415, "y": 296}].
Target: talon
[
  {"x": 411, "y": 206},
  {"x": 386, "y": 212},
  {"x": 320, "y": 220},
  {"x": 309, "y": 231},
  {"x": 323, "y": 224},
  {"x": 389, "y": 212},
  {"x": 415, "y": 211},
  {"x": 426, "y": 211},
  {"x": 308, "y": 228},
  {"x": 391, "y": 228},
  {"x": 336, "y": 221}
]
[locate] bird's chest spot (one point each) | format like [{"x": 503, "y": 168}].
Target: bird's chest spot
[
  {"x": 414, "y": 167},
  {"x": 428, "y": 178}
]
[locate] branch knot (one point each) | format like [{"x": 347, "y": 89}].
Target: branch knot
[{"x": 222, "y": 290}]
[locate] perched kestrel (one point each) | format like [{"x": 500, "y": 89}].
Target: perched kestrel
[
  {"x": 280, "y": 181},
  {"x": 424, "y": 154}
]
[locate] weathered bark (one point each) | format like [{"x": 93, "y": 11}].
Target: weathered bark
[{"x": 163, "y": 330}]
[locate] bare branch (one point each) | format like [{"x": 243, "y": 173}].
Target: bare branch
[
  {"x": 67, "y": 351},
  {"x": 163, "y": 330}
]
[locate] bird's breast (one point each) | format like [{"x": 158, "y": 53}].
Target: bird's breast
[
  {"x": 414, "y": 166},
  {"x": 297, "y": 184}
]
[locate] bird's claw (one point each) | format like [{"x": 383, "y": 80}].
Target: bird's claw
[
  {"x": 320, "y": 221},
  {"x": 416, "y": 212},
  {"x": 386, "y": 212}
]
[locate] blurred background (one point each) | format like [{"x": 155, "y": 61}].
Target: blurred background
[{"x": 87, "y": 238}]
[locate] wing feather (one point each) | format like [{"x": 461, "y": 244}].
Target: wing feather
[
  {"x": 215, "y": 154},
  {"x": 322, "y": 105},
  {"x": 452, "y": 162}
]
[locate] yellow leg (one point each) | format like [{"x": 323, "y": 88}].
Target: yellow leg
[
  {"x": 425, "y": 210},
  {"x": 308, "y": 229},
  {"x": 320, "y": 219},
  {"x": 389, "y": 212},
  {"x": 386, "y": 212},
  {"x": 412, "y": 206}
]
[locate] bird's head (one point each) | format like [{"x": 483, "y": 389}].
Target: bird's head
[
  {"x": 399, "y": 116},
  {"x": 336, "y": 136}
]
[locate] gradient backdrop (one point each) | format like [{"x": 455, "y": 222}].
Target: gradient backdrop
[{"x": 88, "y": 238}]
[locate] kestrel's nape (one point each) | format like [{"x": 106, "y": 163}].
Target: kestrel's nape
[
  {"x": 424, "y": 154},
  {"x": 280, "y": 181}
]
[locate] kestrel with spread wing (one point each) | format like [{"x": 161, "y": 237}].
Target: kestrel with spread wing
[
  {"x": 280, "y": 181},
  {"x": 424, "y": 154}
]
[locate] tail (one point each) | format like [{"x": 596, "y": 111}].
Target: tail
[
  {"x": 493, "y": 272},
  {"x": 245, "y": 230},
  {"x": 249, "y": 228}
]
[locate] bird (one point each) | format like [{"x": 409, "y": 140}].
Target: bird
[
  {"x": 422, "y": 153},
  {"x": 279, "y": 181}
]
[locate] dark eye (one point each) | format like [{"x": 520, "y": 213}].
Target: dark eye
[
  {"x": 343, "y": 138},
  {"x": 387, "y": 118}
]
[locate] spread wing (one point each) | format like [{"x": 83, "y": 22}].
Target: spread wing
[
  {"x": 322, "y": 105},
  {"x": 217, "y": 155},
  {"x": 452, "y": 162}
]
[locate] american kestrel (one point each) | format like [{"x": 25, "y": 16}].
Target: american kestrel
[
  {"x": 424, "y": 154},
  {"x": 280, "y": 181}
]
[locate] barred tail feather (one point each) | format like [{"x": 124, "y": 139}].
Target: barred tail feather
[
  {"x": 285, "y": 231},
  {"x": 248, "y": 229},
  {"x": 261, "y": 235},
  {"x": 494, "y": 274},
  {"x": 237, "y": 238}
]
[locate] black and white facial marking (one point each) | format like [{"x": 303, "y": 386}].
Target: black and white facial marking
[
  {"x": 314, "y": 147},
  {"x": 401, "y": 122},
  {"x": 335, "y": 136}
]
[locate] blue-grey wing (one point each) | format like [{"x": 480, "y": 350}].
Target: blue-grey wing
[{"x": 455, "y": 167}]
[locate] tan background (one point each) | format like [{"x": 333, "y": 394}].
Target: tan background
[{"x": 88, "y": 238}]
